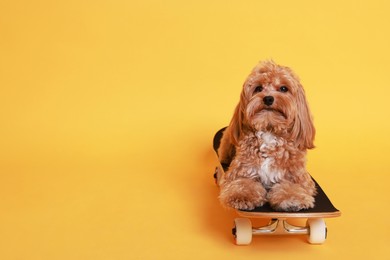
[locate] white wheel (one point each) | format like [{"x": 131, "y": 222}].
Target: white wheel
[
  {"x": 242, "y": 231},
  {"x": 317, "y": 228}
]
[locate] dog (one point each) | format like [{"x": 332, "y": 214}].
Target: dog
[{"x": 266, "y": 142}]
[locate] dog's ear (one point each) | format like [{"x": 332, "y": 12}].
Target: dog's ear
[
  {"x": 303, "y": 131},
  {"x": 236, "y": 124}
]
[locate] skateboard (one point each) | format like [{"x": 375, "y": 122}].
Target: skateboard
[{"x": 315, "y": 227}]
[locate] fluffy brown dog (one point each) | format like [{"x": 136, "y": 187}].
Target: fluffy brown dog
[{"x": 266, "y": 142}]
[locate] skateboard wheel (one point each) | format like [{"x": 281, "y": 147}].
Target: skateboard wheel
[
  {"x": 317, "y": 228},
  {"x": 242, "y": 231}
]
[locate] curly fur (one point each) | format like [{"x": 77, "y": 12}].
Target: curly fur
[{"x": 266, "y": 143}]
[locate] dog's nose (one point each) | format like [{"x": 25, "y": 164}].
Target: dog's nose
[{"x": 268, "y": 100}]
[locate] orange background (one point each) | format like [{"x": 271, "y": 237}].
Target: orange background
[{"x": 108, "y": 109}]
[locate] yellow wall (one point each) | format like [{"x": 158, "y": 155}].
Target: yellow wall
[{"x": 108, "y": 109}]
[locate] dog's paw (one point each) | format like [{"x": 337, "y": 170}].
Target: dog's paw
[
  {"x": 294, "y": 204},
  {"x": 244, "y": 194},
  {"x": 243, "y": 203},
  {"x": 290, "y": 198}
]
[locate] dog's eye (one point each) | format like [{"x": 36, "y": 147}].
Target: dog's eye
[
  {"x": 258, "y": 89},
  {"x": 283, "y": 89}
]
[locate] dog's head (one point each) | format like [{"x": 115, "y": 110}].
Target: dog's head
[{"x": 274, "y": 100}]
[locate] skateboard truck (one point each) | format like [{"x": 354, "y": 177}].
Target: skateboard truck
[{"x": 280, "y": 227}]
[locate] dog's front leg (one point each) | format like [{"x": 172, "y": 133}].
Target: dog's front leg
[
  {"x": 243, "y": 193},
  {"x": 292, "y": 196}
]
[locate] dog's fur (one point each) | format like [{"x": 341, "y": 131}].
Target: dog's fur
[{"x": 265, "y": 144}]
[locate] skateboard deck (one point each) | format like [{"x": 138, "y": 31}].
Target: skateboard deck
[{"x": 315, "y": 227}]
